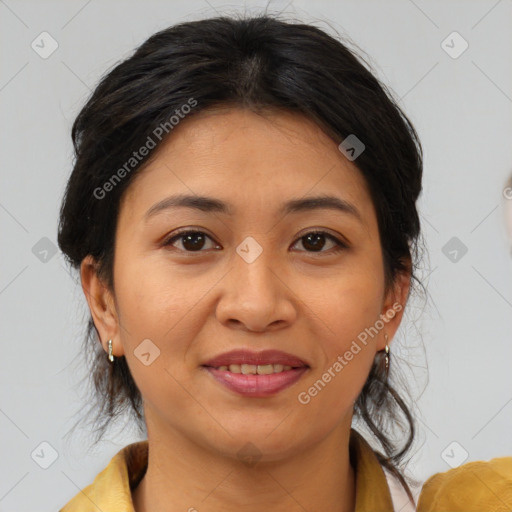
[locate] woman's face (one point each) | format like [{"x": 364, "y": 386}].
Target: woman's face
[{"x": 251, "y": 280}]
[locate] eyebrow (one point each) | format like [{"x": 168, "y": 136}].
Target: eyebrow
[{"x": 210, "y": 204}]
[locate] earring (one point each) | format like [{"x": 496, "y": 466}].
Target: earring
[
  {"x": 388, "y": 354},
  {"x": 110, "y": 355}
]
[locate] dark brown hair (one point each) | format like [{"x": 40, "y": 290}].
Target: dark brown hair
[{"x": 257, "y": 63}]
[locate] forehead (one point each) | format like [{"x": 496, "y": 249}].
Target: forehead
[{"x": 250, "y": 160}]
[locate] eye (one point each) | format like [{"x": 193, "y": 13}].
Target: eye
[
  {"x": 314, "y": 240},
  {"x": 194, "y": 241}
]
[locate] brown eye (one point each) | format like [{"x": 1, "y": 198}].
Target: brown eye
[
  {"x": 314, "y": 241},
  {"x": 192, "y": 241}
]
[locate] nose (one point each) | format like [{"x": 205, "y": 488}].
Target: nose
[{"x": 255, "y": 296}]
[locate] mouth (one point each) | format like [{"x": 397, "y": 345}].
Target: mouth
[
  {"x": 256, "y": 374},
  {"x": 253, "y": 369}
]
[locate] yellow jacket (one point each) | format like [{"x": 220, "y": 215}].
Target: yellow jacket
[
  {"x": 476, "y": 486},
  {"x": 111, "y": 489},
  {"x": 481, "y": 486}
]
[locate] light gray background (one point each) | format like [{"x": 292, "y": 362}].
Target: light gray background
[{"x": 462, "y": 110}]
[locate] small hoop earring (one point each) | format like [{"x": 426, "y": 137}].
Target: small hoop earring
[{"x": 110, "y": 355}]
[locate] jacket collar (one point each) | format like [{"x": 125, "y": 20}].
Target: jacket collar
[
  {"x": 112, "y": 488},
  {"x": 372, "y": 491}
]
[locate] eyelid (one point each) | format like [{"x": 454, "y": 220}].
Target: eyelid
[
  {"x": 183, "y": 231},
  {"x": 326, "y": 231}
]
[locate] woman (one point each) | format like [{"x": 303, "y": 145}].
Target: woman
[{"x": 242, "y": 211}]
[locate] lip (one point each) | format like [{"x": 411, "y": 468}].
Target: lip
[
  {"x": 256, "y": 358},
  {"x": 257, "y": 386}
]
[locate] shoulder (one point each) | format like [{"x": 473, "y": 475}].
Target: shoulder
[
  {"x": 475, "y": 486},
  {"x": 111, "y": 489}
]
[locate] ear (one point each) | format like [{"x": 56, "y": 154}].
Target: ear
[
  {"x": 102, "y": 306},
  {"x": 394, "y": 305}
]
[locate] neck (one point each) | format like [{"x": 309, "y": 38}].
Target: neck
[{"x": 183, "y": 476}]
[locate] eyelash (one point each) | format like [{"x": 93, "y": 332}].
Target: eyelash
[{"x": 340, "y": 246}]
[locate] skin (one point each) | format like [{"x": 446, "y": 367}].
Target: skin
[{"x": 195, "y": 305}]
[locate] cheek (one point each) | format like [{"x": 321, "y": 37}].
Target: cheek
[
  {"x": 348, "y": 307},
  {"x": 332, "y": 388},
  {"x": 155, "y": 294},
  {"x": 348, "y": 315},
  {"x": 157, "y": 305},
  {"x": 357, "y": 311}
]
